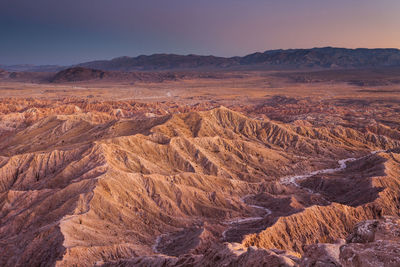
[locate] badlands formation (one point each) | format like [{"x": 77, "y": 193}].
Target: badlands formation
[{"x": 269, "y": 178}]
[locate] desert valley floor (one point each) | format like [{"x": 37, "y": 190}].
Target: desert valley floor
[{"x": 218, "y": 169}]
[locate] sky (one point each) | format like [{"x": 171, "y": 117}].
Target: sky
[{"x": 68, "y": 32}]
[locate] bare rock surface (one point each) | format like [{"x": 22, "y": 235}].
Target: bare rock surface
[{"x": 372, "y": 243}]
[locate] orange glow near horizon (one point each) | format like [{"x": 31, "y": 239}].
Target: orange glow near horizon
[{"x": 65, "y": 32}]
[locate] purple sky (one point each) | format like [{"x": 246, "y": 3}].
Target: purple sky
[{"x": 67, "y": 32}]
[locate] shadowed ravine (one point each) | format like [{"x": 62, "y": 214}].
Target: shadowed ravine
[{"x": 289, "y": 180}]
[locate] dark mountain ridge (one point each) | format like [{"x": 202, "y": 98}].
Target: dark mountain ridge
[
  {"x": 78, "y": 74},
  {"x": 162, "y": 62},
  {"x": 327, "y": 57},
  {"x": 292, "y": 59}
]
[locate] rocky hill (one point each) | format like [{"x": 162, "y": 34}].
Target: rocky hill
[
  {"x": 78, "y": 74},
  {"x": 162, "y": 62},
  {"x": 81, "y": 74}
]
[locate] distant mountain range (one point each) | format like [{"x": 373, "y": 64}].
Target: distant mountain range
[
  {"x": 32, "y": 68},
  {"x": 320, "y": 58}
]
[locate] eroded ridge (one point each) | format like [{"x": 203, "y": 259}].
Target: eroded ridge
[{"x": 90, "y": 187}]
